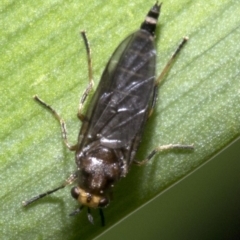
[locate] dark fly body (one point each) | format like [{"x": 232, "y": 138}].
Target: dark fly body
[{"x": 114, "y": 121}]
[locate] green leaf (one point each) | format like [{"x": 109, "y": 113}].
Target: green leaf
[{"x": 42, "y": 53}]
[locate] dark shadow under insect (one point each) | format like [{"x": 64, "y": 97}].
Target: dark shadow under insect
[{"x": 114, "y": 121}]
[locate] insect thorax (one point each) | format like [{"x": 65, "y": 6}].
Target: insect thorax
[{"x": 98, "y": 170}]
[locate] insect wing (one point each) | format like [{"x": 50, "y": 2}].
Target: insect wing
[{"x": 120, "y": 106}]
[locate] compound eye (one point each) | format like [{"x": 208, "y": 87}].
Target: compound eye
[
  {"x": 75, "y": 192},
  {"x": 103, "y": 202}
]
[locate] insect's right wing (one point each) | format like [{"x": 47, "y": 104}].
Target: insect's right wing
[{"x": 120, "y": 104}]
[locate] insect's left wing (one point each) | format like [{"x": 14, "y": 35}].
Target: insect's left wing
[{"x": 121, "y": 102}]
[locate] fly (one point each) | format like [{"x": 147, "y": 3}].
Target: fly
[{"x": 113, "y": 124}]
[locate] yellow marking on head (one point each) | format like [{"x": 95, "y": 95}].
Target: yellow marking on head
[{"x": 87, "y": 199}]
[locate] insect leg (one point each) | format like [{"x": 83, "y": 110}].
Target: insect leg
[
  {"x": 68, "y": 181},
  {"x": 90, "y": 76},
  {"x": 164, "y": 148},
  {"x": 170, "y": 61},
  {"x": 61, "y": 121},
  {"x": 165, "y": 71}
]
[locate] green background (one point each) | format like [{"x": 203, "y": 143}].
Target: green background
[
  {"x": 42, "y": 53},
  {"x": 204, "y": 205}
]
